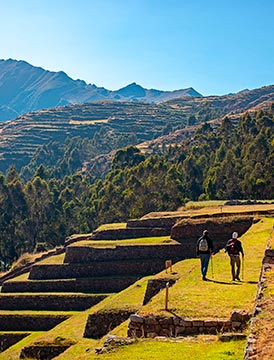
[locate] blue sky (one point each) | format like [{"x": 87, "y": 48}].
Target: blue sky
[{"x": 217, "y": 47}]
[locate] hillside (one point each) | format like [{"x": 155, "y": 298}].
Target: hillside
[
  {"x": 110, "y": 125},
  {"x": 25, "y": 88},
  {"x": 63, "y": 305}
]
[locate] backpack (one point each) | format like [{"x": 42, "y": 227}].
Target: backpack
[
  {"x": 203, "y": 245},
  {"x": 232, "y": 247}
]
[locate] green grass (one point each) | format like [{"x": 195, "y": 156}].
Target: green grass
[
  {"x": 192, "y": 205},
  {"x": 112, "y": 226},
  {"x": 192, "y": 297},
  {"x": 126, "y": 242},
  {"x": 184, "y": 349},
  {"x": 54, "y": 259},
  {"x": 189, "y": 297}
]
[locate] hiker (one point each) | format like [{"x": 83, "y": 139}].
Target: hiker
[
  {"x": 234, "y": 248},
  {"x": 204, "y": 249}
]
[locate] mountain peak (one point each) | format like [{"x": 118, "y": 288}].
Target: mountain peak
[{"x": 132, "y": 90}]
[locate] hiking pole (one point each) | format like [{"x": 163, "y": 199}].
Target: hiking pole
[
  {"x": 243, "y": 268},
  {"x": 212, "y": 266}
]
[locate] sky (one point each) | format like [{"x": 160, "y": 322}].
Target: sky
[{"x": 215, "y": 46}]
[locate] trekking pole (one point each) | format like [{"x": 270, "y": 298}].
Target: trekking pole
[
  {"x": 212, "y": 266},
  {"x": 243, "y": 268}
]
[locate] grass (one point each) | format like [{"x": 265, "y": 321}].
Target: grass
[
  {"x": 191, "y": 297},
  {"x": 126, "y": 242},
  {"x": 113, "y": 226},
  {"x": 199, "y": 348},
  {"x": 194, "y": 205},
  {"x": 212, "y": 207},
  {"x": 55, "y": 260}
]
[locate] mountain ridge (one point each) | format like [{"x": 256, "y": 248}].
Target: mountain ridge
[{"x": 26, "y": 88}]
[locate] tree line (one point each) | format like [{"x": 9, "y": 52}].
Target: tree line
[{"x": 232, "y": 161}]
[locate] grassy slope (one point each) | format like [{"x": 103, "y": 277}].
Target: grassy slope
[
  {"x": 217, "y": 296},
  {"x": 206, "y": 299},
  {"x": 191, "y": 297}
]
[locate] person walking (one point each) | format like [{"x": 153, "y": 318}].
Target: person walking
[
  {"x": 204, "y": 249},
  {"x": 234, "y": 248}
]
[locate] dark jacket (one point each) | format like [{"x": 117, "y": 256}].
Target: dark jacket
[
  {"x": 234, "y": 247},
  {"x": 210, "y": 245}
]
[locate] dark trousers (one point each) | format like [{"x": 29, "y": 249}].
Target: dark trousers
[
  {"x": 235, "y": 263},
  {"x": 204, "y": 258}
]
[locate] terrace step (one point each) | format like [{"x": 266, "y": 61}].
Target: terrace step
[
  {"x": 101, "y": 268},
  {"x": 50, "y": 302},
  {"x": 30, "y": 322},
  {"x": 90, "y": 254},
  {"x": 84, "y": 285},
  {"x": 9, "y": 339}
]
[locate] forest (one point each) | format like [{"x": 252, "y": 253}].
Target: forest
[{"x": 232, "y": 161}]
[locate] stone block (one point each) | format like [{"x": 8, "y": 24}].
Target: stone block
[
  {"x": 197, "y": 323},
  {"x": 179, "y": 330},
  {"x": 136, "y": 318},
  {"x": 236, "y": 324}
]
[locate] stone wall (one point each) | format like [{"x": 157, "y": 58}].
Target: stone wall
[
  {"x": 87, "y": 254},
  {"x": 66, "y": 302},
  {"x": 163, "y": 222},
  {"x": 129, "y": 233},
  {"x": 30, "y": 322},
  {"x": 187, "y": 231},
  {"x": 152, "y": 326},
  {"x": 9, "y": 339},
  {"x": 251, "y": 349},
  {"x": 102, "y": 268},
  {"x": 42, "y": 351},
  {"x": 154, "y": 286},
  {"x": 99, "y": 324},
  {"x": 84, "y": 285}
]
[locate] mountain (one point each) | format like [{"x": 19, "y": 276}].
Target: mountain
[
  {"x": 110, "y": 125},
  {"x": 25, "y": 88}
]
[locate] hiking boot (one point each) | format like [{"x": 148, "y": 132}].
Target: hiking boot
[
  {"x": 204, "y": 278},
  {"x": 237, "y": 278}
]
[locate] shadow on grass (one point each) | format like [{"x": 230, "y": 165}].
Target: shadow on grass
[{"x": 224, "y": 282}]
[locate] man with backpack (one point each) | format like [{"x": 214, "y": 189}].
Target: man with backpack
[
  {"x": 204, "y": 249},
  {"x": 234, "y": 248}
]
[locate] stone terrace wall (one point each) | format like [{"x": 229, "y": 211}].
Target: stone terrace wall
[
  {"x": 164, "y": 222},
  {"x": 154, "y": 286},
  {"x": 42, "y": 351},
  {"x": 9, "y": 339},
  {"x": 187, "y": 231},
  {"x": 77, "y": 302},
  {"x": 129, "y": 233},
  {"x": 152, "y": 326},
  {"x": 99, "y": 324},
  {"x": 87, "y": 254},
  {"x": 30, "y": 322},
  {"x": 251, "y": 350},
  {"x": 84, "y": 285},
  {"x": 102, "y": 268}
]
